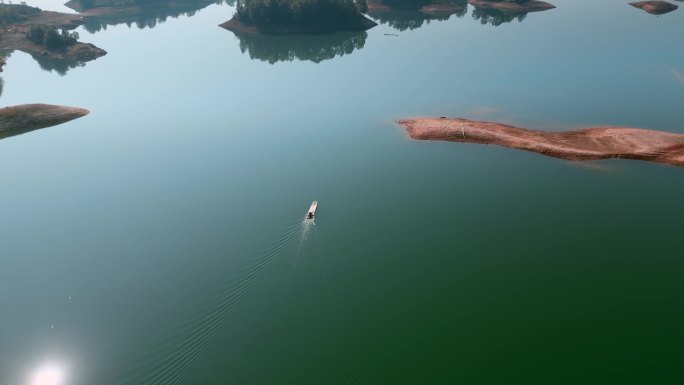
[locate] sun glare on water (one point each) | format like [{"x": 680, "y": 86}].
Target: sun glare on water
[{"x": 48, "y": 375}]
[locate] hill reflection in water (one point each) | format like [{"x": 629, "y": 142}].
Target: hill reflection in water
[
  {"x": 146, "y": 15},
  {"x": 315, "y": 48},
  {"x": 496, "y": 18},
  {"x": 412, "y": 14}
]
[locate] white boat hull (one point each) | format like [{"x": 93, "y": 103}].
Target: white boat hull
[{"x": 312, "y": 210}]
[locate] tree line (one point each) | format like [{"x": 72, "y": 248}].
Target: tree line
[
  {"x": 298, "y": 12},
  {"x": 51, "y": 37},
  {"x": 15, "y": 13}
]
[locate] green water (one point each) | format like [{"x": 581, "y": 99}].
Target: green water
[{"x": 160, "y": 240}]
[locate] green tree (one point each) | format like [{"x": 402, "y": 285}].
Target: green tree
[{"x": 50, "y": 37}]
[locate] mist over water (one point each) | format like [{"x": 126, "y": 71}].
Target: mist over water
[{"x": 161, "y": 239}]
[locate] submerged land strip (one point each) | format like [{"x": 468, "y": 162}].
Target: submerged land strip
[
  {"x": 585, "y": 144},
  {"x": 20, "y": 119}
]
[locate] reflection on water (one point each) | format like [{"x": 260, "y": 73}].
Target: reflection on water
[
  {"x": 315, "y": 48},
  {"x": 412, "y": 14},
  {"x": 61, "y": 66},
  {"x": 307, "y": 226},
  {"x": 51, "y": 374},
  {"x": 170, "y": 361},
  {"x": 146, "y": 14},
  {"x": 495, "y": 17}
]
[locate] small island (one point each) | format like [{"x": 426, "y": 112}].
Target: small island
[
  {"x": 512, "y": 6},
  {"x": 585, "y": 144},
  {"x": 44, "y": 35},
  {"x": 17, "y": 120},
  {"x": 292, "y": 17},
  {"x": 655, "y": 7}
]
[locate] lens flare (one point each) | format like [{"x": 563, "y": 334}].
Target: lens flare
[{"x": 48, "y": 375}]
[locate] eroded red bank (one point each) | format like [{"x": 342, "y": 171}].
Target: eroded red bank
[{"x": 585, "y": 144}]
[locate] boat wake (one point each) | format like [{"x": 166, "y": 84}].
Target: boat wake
[
  {"x": 179, "y": 352},
  {"x": 307, "y": 226},
  {"x": 170, "y": 360}
]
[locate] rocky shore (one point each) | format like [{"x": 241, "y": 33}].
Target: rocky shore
[
  {"x": 655, "y": 7},
  {"x": 584, "y": 144}
]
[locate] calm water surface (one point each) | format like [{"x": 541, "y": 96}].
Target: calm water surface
[{"x": 159, "y": 240}]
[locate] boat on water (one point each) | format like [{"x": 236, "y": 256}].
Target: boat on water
[{"x": 312, "y": 210}]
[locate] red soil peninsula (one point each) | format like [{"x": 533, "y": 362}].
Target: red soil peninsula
[
  {"x": 512, "y": 7},
  {"x": 17, "y": 120},
  {"x": 655, "y": 7},
  {"x": 585, "y": 144},
  {"x": 446, "y": 8}
]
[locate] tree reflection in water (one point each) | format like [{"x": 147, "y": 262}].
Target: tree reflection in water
[
  {"x": 315, "y": 48},
  {"x": 496, "y": 18},
  {"x": 413, "y": 14},
  {"x": 145, "y": 14}
]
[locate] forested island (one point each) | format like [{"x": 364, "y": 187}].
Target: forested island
[
  {"x": 586, "y": 144},
  {"x": 45, "y": 36},
  {"x": 290, "y": 17}
]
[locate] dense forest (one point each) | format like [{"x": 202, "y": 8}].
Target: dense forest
[
  {"x": 51, "y": 37},
  {"x": 296, "y": 13},
  {"x": 15, "y": 13}
]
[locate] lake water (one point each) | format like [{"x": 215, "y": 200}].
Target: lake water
[{"x": 160, "y": 240}]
